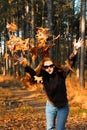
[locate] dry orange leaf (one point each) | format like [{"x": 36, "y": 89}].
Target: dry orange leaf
[
  {"x": 6, "y": 56},
  {"x": 12, "y": 27}
]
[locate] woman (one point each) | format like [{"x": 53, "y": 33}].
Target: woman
[{"x": 53, "y": 79}]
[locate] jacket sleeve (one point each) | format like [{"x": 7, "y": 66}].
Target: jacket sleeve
[
  {"x": 29, "y": 70},
  {"x": 69, "y": 63}
]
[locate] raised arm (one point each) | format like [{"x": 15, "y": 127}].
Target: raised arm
[{"x": 69, "y": 62}]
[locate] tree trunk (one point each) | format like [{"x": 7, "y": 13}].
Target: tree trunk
[
  {"x": 82, "y": 75},
  {"x": 50, "y": 22},
  {"x": 49, "y": 11}
]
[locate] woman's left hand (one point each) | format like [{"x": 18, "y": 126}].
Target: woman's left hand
[{"x": 78, "y": 44}]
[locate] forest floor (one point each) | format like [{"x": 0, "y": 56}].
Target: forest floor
[{"x": 22, "y": 106}]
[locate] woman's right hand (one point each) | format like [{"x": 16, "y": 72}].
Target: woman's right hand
[{"x": 38, "y": 79}]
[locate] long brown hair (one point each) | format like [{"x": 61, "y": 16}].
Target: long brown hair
[{"x": 40, "y": 66}]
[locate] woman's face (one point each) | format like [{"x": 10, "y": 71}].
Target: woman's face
[{"x": 49, "y": 66}]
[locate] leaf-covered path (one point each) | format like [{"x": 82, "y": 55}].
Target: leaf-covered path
[{"x": 23, "y": 108}]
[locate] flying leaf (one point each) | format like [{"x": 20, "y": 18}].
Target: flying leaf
[{"x": 12, "y": 27}]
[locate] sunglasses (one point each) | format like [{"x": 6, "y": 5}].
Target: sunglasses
[{"x": 47, "y": 66}]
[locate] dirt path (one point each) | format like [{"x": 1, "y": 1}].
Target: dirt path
[
  {"x": 21, "y": 109},
  {"x": 24, "y": 109}
]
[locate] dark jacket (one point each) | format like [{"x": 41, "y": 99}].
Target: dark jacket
[{"x": 54, "y": 85}]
